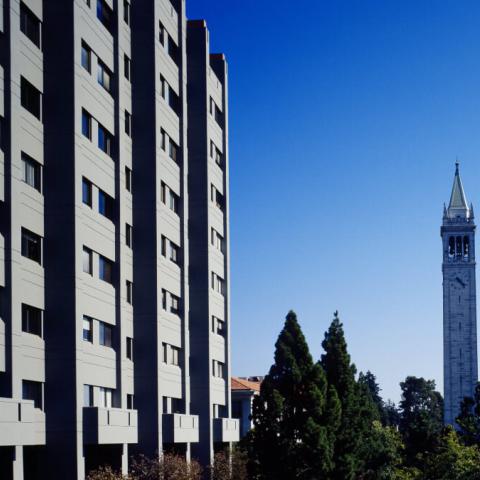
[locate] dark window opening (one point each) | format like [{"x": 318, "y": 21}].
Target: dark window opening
[
  {"x": 31, "y": 320},
  {"x": 31, "y": 98},
  {"x": 33, "y": 391},
  {"x": 31, "y": 245},
  {"x": 105, "y": 14},
  {"x": 30, "y": 24}
]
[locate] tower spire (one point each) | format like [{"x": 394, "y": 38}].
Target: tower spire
[{"x": 458, "y": 206}]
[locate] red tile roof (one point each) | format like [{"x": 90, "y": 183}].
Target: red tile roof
[{"x": 241, "y": 384}]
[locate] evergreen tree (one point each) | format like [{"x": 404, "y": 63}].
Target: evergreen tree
[
  {"x": 355, "y": 432},
  {"x": 392, "y": 415},
  {"x": 469, "y": 418},
  {"x": 451, "y": 460},
  {"x": 421, "y": 416},
  {"x": 291, "y": 438},
  {"x": 369, "y": 382}
]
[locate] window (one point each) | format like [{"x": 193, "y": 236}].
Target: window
[
  {"x": 106, "y": 334},
  {"x": 164, "y": 88},
  {"x": 104, "y": 140},
  {"x": 217, "y": 283},
  {"x": 174, "y": 101},
  {"x": 128, "y": 179},
  {"x": 217, "y": 240},
  {"x": 218, "y": 326},
  {"x": 164, "y": 246},
  {"x": 174, "y": 304},
  {"x": 161, "y": 33},
  {"x": 32, "y": 172},
  {"x": 126, "y": 12},
  {"x": 31, "y": 246},
  {"x": 128, "y": 123},
  {"x": 173, "y": 150},
  {"x": 163, "y": 139},
  {"x": 105, "y": 14},
  {"x": 86, "y": 124},
  {"x": 216, "y": 197},
  {"x": 129, "y": 286},
  {"x": 33, "y": 391},
  {"x": 164, "y": 299},
  {"x": 87, "y": 261},
  {"x": 104, "y": 76},
  {"x": 174, "y": 202},
  {"x": 218, "y": 369},
  {"x": 106, "y": 397},
  {"x": 174, "y": 253},
  {"x": 212, "y": 106},
  {"x": 129, "y": 401},
  {"x": 173, "y": 50},
  {"x": 29, "y": 24},
  {"x": 128, "y": 235},
  {"x": 105, "y": 204},
  {"x": 31, "y": 98},
  {"x": 174, "y": 355},
  {"x": 164, "y": 352},
  {"x": 105, "y": 269},
  {"x": 169, "y": 198},
  {"x": 87, "y": 329},
  {"x": 86, "y": 192},
  {"x": 31, "y": 320},
  {"x": 86, "y": 57},
  {"x": 126, "y": 66},
  {"x": 130, "y": 348},
  {"x": 216, "y": 154},
  {"x": 88, "y": 396},
  {"x": 218, "y": 116}
]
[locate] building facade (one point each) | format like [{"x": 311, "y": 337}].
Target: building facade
[
  {"x": 97, "y": 318},
  {"x": 459, "y": 301},
  {"x": 209, "y": 243},
  {"x": 244, "y": 390}
]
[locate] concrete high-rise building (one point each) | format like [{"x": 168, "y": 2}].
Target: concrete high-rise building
[
  {"x": 209, "y": 243},
  {"x": 101, "y": 226},
  {"x": 459, "y": 301}
]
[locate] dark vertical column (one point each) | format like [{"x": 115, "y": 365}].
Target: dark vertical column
[
  {"x": 197, "y": 61},
  {"x": 145, "y": 291},
  {"x": 5, "y": 206},
  {"x": 59, "y": 245}
]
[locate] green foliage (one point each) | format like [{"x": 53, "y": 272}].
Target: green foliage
[
  {"x": 354, "y": 435},
  {"x": 451, "y": 460},
  {"x": 383, "y": 453},
  {"x": 469, "y": 418},
  {"x": 292, "y": 414},
  {"x": 421, "y": 417}
]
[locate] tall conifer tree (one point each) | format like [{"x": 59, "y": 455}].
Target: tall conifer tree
[
  {"x": 290, "y": 438},
  {"x": 358, "y": 410}
]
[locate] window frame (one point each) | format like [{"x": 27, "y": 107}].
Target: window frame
[
  {"x": 105, "y": 269},
  {"x": 29, "y": 236},
  {"x": 89, "y": 336},
  {"x": 30, "y": 98},
  {"x": 87, "y": 260},
  {"x": 105, "y": 334},
  {"x": 32, "y": 320},
  {"x": 30, "y": 25},
  {"x": 31, "y": 169}
]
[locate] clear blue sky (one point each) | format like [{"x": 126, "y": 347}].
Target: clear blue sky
[{"x": 345, "y": 121}]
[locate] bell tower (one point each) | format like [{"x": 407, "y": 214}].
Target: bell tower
[{"x": 459, "y": 301}]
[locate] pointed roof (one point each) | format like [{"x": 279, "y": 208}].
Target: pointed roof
[{"x": 458, "y": 206}]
